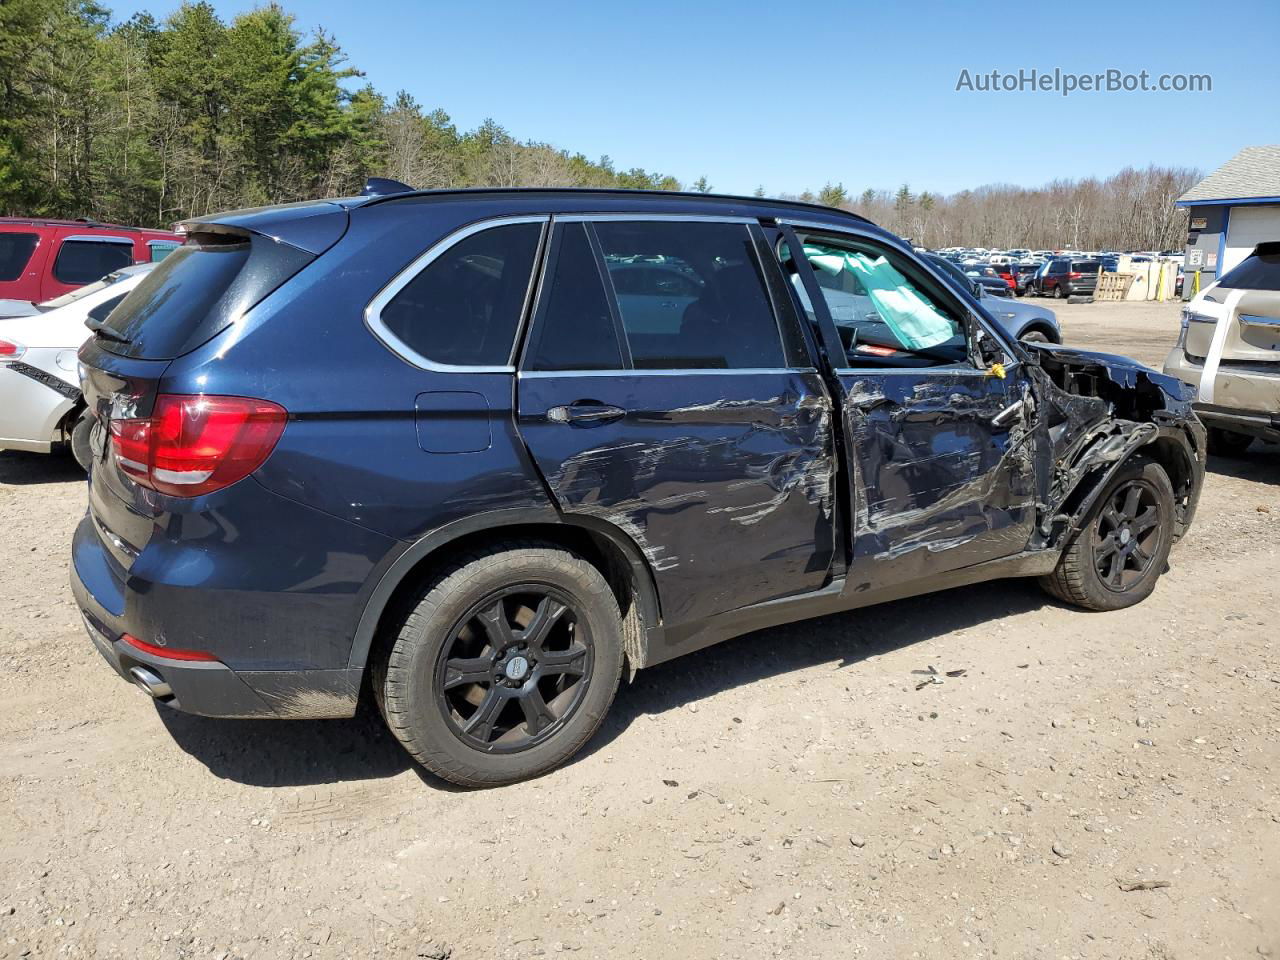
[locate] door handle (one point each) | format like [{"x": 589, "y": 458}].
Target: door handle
[
  {"x": 865, "y": 403},
  {"x": 586, "y": 412}
]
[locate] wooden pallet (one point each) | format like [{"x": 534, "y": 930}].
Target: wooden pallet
[{"x": 1113, "y": 286}]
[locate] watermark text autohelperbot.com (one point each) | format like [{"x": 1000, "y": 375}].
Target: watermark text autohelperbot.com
[{"x": 1066, "y": 83}]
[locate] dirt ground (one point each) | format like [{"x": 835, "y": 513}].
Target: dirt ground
[{"x": 794, "y": 793}]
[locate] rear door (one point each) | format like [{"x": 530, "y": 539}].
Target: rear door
[
  {"x": 942, "y": 474},
  {"x": 685, "y": 411}
]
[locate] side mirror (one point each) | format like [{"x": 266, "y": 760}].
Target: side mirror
[{"x": 977, "y": 290}]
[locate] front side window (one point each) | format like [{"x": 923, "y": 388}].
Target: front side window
[
  {"x": 463, "y": 308},
  {"x": 15, "y": 252},
  {"x": 84, "y": 261},
  {"x": 690, "y": 295},
  {"x": 881, "y": 309}
]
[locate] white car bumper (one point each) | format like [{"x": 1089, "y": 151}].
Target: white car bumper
[{"x": 35, "y": 397}]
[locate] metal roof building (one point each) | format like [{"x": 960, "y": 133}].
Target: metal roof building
[{"x": 1232, "y": 210}]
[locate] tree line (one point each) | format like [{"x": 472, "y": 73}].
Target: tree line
[
  {"x": 151, "y": 121},
  {"x": 1130, "y": 210}
]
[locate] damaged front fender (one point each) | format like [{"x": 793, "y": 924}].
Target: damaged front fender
[{"x": 1098, "y": 410}]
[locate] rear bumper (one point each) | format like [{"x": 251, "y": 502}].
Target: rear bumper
[
  {"x": 207, "y": 688},
  {"x": 1264, "y": 426},
  {"x": 1253, "y": 397},
  {"x": 31, "y": 410}
]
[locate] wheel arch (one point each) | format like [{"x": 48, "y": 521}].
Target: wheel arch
[
  {"x": 1041, "y": 326},
  {"x": 607, "y": 547},
  {"x": 1168, "y": 447}
]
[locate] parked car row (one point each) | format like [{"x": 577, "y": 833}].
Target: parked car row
[{"x": 43, "y": 259}]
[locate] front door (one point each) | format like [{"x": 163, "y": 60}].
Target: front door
[
  {"x": 942, "y": 475},
  {"x": 665, "y": 390}
]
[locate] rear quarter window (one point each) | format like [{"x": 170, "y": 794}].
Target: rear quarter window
[
  {"x": 463, "y": 308},
  {"x": 15, "y": 253}
]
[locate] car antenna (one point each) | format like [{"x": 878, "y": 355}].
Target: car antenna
[{"x": 383, "y": 186}]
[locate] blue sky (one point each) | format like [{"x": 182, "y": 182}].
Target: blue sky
[{"x": 789, "y": 95}]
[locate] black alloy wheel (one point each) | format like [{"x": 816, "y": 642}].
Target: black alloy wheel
[
  {"x": 1126, "y": 534},
  {"x": 514, "y": 669}
]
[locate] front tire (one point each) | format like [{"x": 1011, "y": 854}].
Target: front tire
[
  {"x": 505, "y": 666},
  {"x": 1034, "y": 336},
  {"x": 1121, "y": 549}
]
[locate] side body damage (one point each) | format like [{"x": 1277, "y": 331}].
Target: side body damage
[
  {"x": 1098, "y": 410},
  {"x": 938, "y": 498}
]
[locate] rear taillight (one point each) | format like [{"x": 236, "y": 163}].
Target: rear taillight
[
  {"x": 11, "y": 350},
  {"x": 167, "y": 652},
  {"x": 193, "y": 445},
  {"x": 1074, "y": 276}
]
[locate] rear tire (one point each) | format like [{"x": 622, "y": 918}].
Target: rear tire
[
  {"x": 80, "y": 448},
  {"x": 505, "y": 666},
  {"x": 1121, "y": 549},
  {"x": 1058, "y": 293},
  {"x": 1228, "y": 443}
]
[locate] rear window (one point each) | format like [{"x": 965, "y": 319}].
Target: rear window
[
  {"x": 1085, "y": 266},
  {"x": 15, "y": 251},
  {"x": 160, "y": 249},
  {"x": 1258, "y": 271},
  {"x": 197, "y": 292},
  {"x": 84, "y": 261}
]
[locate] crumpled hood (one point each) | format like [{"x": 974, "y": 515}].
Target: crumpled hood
[{"x": 1124, "y": 371}]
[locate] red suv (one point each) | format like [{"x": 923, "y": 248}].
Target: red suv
[{"x": 43, "y": 259}]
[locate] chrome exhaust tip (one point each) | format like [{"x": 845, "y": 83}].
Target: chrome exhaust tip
[{"x": 150, "y": 683}]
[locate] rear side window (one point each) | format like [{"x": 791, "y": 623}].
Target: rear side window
[
  {"x": 197, "y": 291},
  {"x": 160, "y": 250},
  {"x": 84, "y": 261},
  {"x": 463, "y": 308},
  {"x": 15, "y": 252},
  {"x": 1258, "y": 271},
  {"x": 690, "y": 295},
  {"x": 574, "y": 329}
]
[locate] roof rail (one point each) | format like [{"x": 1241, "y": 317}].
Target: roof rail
[{"x": 384, "y": 186}]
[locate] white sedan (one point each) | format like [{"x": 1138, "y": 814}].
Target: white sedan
[{"x": 40, "y": 403}]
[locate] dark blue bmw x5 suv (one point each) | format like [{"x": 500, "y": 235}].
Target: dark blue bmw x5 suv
[{"x": 474, "y": 453}]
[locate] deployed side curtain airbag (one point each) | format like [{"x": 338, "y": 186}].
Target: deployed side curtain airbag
[{"x": 914, "y": 321}]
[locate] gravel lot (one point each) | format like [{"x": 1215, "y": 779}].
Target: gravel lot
[{"x": 790, "y": 794}]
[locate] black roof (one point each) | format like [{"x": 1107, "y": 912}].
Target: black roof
[
  {"x": 606, "y": 199},
  {"x": 307, "y": 224}
]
